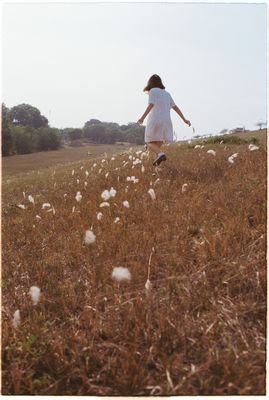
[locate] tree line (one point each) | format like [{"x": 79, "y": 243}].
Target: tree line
[{"x": 25, "y": 130}]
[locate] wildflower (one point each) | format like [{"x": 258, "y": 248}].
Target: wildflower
[
  {"x": 78, "y": 181},
  {"x": 143, "y": 155},
  {"x": 130, "y": 157},
  {"x": 197, "y": 146},
  {"x": 211, "y": 152},
  {"x": 126, "y": 163},
  {"x": 142, "y": 169},
  {"x": 116, "y": 220},
  {"x": 94, "y": 165},
  {"x": 184, "y": 187},
  {"x": 89, "y": 237},
  {"x": 126, "y": 189},
  {"x": 45, "y": 205},
  {"x": 126, "y": 204},
  {"x": 31, "y": 199},
  {"x": 35, "y": 294},
  {"x": 81, "y": 168},
  {"x": 38, "y": 217},
  {"x": 128, "y": 178},
  {"x": 23, "y": 194},
  {"x": 99, "y": 216},
  {"x": 232, "y": 157},
  {"x": 152, "y": 194},
  {"x": 78, "y": 196},
  {"x": 87, "y": 173},
  {"x": 112, "y": 192},
  {"x": 73, "y": 209},
  {"x": 112, "y": 158},
  {"x": 16, "y": 319},
  {"x": 137, "y": 161},
  {"x": 148, "y": 286},
  {"x": 221, "y": 142},
  {"x": 104, "y": 204},
  {"x": 138, "y": 152},
  {"x": 121, "y": 274},
  {"x": 100, "y": 170},
  {"x": 73, "y": 171},
  {"x": 252, "y": 147},
  {"x": 85, "y": 184},
  {"x": 106, "y": 175},
  {"x": 118, "y": 178},
  {"x": 103, "y": 161},
  {"x": 22, "y": 206},
  {"x": 157, "y": 181},
  {"x": 65, "y": 195},
  {"x": 106, "y": 195}
]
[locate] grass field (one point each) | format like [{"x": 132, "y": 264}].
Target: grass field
[
  {"x": 30, "y": 162},
  {"x": 191, "y": 318}
]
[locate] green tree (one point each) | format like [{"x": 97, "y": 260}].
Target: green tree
[
  {"x": 27, "y": 115},
  {"x": 7, "y": 142},
  {"x": 24, "y": 139},
  {"x": 74, "y": 134},
  {"x": 48, "y": 139}
]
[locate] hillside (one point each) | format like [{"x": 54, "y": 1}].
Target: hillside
[{"x": 190, "y": 320}]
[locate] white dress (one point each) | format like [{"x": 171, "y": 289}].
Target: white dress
[{"x": 159, "y": 125}]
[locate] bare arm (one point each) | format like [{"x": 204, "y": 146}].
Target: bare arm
[
  {"x": 148, "y": 109},
  {"x": 177, "y": 110}
]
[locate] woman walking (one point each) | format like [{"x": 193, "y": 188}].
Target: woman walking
[{"x": 159, "y": 127}]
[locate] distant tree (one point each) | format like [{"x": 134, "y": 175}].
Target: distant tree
[
  {"x": 261, "y": 124},
  {"x": 7, "y": 142},
  {"x": 24, "y": 139},
  {"x": 223, "y": 131},
  {"x": 74, "y": 134},
  {"x": 48, "y": 139},
  {"x": 92, "y": 122},
  {"x": 27, "y": 115}
]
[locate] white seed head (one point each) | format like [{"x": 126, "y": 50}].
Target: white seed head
[
  {"x": 211, "y": 152},
  {"x": 152, "y": 194},
  {"x": 16, "y": 319},
  {"x": 31, "y": 199},
  {"x": 184, "y": 187},
  {"x": 45, "y": 205},
  {"x": 78, "y": 196},
  {"x": 106, "y": 195},
  {"x": 126, "y": 203},
  {"x": 104, "y": 204},
  {"x": 22, "y": 206},
  {"x": 89, "y": 237},
  {"x": 142, "y": 169},
  {"x": 99, "y": 216},
  {"x": 35, "y": 294},
  {"x": 121, "y": 274},
  {"x": 112, "y": 192},
  {"x": 116, "y": 220},
  {"x": 253, "y": 147}
]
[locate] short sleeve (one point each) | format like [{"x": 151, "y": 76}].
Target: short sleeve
[
  {"x": 172, "y": 103},
  {"x": 152, "y": 97}
]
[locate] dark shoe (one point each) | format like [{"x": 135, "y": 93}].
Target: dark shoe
[{"x": 159, "y": 159}]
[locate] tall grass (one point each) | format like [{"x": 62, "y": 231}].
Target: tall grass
[{"x": 199, "y": 329}]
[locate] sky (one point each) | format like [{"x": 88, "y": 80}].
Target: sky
[{"x": 77, "y": 61}]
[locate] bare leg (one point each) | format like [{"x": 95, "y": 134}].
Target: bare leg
[{"x": 155, "y": 146}]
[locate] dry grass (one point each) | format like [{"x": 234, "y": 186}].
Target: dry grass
[
  {"x": 201, "y": 330},
  {"x": 19, "y": 164}
]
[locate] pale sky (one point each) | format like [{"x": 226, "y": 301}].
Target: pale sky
[{"x": 77, "y": 61}]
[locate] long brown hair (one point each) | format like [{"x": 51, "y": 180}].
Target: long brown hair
[{"x": 154, "y": 81}]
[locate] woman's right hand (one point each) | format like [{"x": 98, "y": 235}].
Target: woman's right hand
[{"x": 187, "y": 122}]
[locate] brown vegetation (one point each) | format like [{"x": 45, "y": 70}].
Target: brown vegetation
[{"x": 199, "y": 330}]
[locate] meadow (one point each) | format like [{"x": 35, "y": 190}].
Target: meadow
[{"x": 186, "y": 312}]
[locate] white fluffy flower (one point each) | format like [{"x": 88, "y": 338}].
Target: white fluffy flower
[
  {"x": 85, "y": 184},
  {"x": 73, "y": 209},
  {"x": 22, "y": 206},
  {"x": 130, "y": 157},
  {"x": 138, "y": 152},
  {"x": 121, "y": 274},
  {"x": 35, "y": 294},
  {"x": 38, "y": 216},
  {"x": 89, "y": 237},
  {"x": 232, "y": 157},
  {"x": 126, "y": 203},
  {"x": 100, "y": 170},
  {"x": 152, "y": 194},
  {"x": 73, "y": 171},
  {"x": 45, "y": 205},
  {"x": 126, "y": 163},
  {"x": 106, "y": 195},
  {"x": 94, "y": 165},
  {"x": 211, "y": 152},
  {"x": 112, "y": 192},
  {"x": 184, "y": 187},
  {"x": 198, "y": 146},
  {"x": 142, "y": 169},
  {"x": 78, "y": 181},
  {"x": 99, "y": 216},
  {"x": 103, "y": 161},
  {"x": 106, "y": 175},
  {"x": 23, "y": 194},
  {"x": 87, "y": 173},
  {"x": 78, "y": 196},
  {"x": 116, "y": 220},
  {"x": 143, "y": 155},
  {"x": 104, "y": 204},
  {"x": 31, "y": 199},
  {"x": 112, "y": 158},
  {"x": 16, "y": 319},
  {"x": 148, "y": 286},
  {"x": 252, "y": 147},
  {"x": 137, "y": 161}
]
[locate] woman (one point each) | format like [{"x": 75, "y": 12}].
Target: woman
[{"x": 159, "y": 127}]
